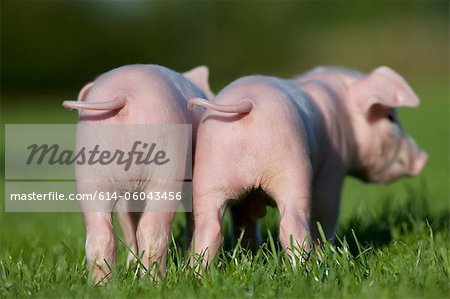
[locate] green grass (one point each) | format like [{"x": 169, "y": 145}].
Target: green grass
[{"x": 394, "y": 240}]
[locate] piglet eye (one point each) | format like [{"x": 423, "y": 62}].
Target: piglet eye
[{"x": 391, "y": 118}]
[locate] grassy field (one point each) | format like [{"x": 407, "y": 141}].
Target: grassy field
[{"x": 394, "y": 240}]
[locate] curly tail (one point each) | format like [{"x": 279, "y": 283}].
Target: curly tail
[
  {"x": 245, "y": 106},
  {"x": 117, "y": 103}
]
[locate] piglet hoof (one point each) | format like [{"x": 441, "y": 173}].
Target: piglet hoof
[
  {"x": 101, "y": 276},
  {"x": 198, "y": 264}
]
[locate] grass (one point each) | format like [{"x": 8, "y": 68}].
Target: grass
[
  {"x": 393, "y": 240},
  {"x": 415, "y": 263}
]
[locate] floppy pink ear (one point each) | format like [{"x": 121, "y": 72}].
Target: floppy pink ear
[
  {"x": 383, "y": 86},
  {"x": 84, "y": 91},
  {"x": 199, "y": 76}
]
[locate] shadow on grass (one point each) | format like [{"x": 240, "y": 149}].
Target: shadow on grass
[{"x": 378, "y": 230}]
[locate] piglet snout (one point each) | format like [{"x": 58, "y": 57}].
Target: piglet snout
[{"x": 418, "y": 163}]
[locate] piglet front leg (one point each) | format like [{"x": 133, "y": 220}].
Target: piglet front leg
[
  {"x": 245, "y": 223},
  {"x": 326, "y": 200}
]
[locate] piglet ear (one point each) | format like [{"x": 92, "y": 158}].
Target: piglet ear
[
  {"x": 385, "y": 87},
  {"x": 199, "y": 76}
]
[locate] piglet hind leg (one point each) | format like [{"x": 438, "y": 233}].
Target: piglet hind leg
[
  {"x": 153, "y": 230},
  {"x": 101, "y": 241},
  {"x": 293, "y": 202},
  {"x": 294, "y": 229},
  {"x": 128, "y": 223},
  {"x": 208, "y": 214},
  {"x": 153, "y": 234},
  {"x": 101, "y": 245}
]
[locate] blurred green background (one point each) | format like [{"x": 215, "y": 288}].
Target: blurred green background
[
  {"x": 50, "y": 49},
  {"x": 60, "y": 45}
]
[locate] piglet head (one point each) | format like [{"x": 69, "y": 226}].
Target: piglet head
[{"x": 385, "y": 152}]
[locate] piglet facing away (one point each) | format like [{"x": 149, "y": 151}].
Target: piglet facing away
[
  {"x": 124, "y": 97},
  {"x": 296, "y": 140}
]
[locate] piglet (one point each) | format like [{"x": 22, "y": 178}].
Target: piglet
[
  {"x": 139, "y": 95},
  {"x": 294, "y": 141}
]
